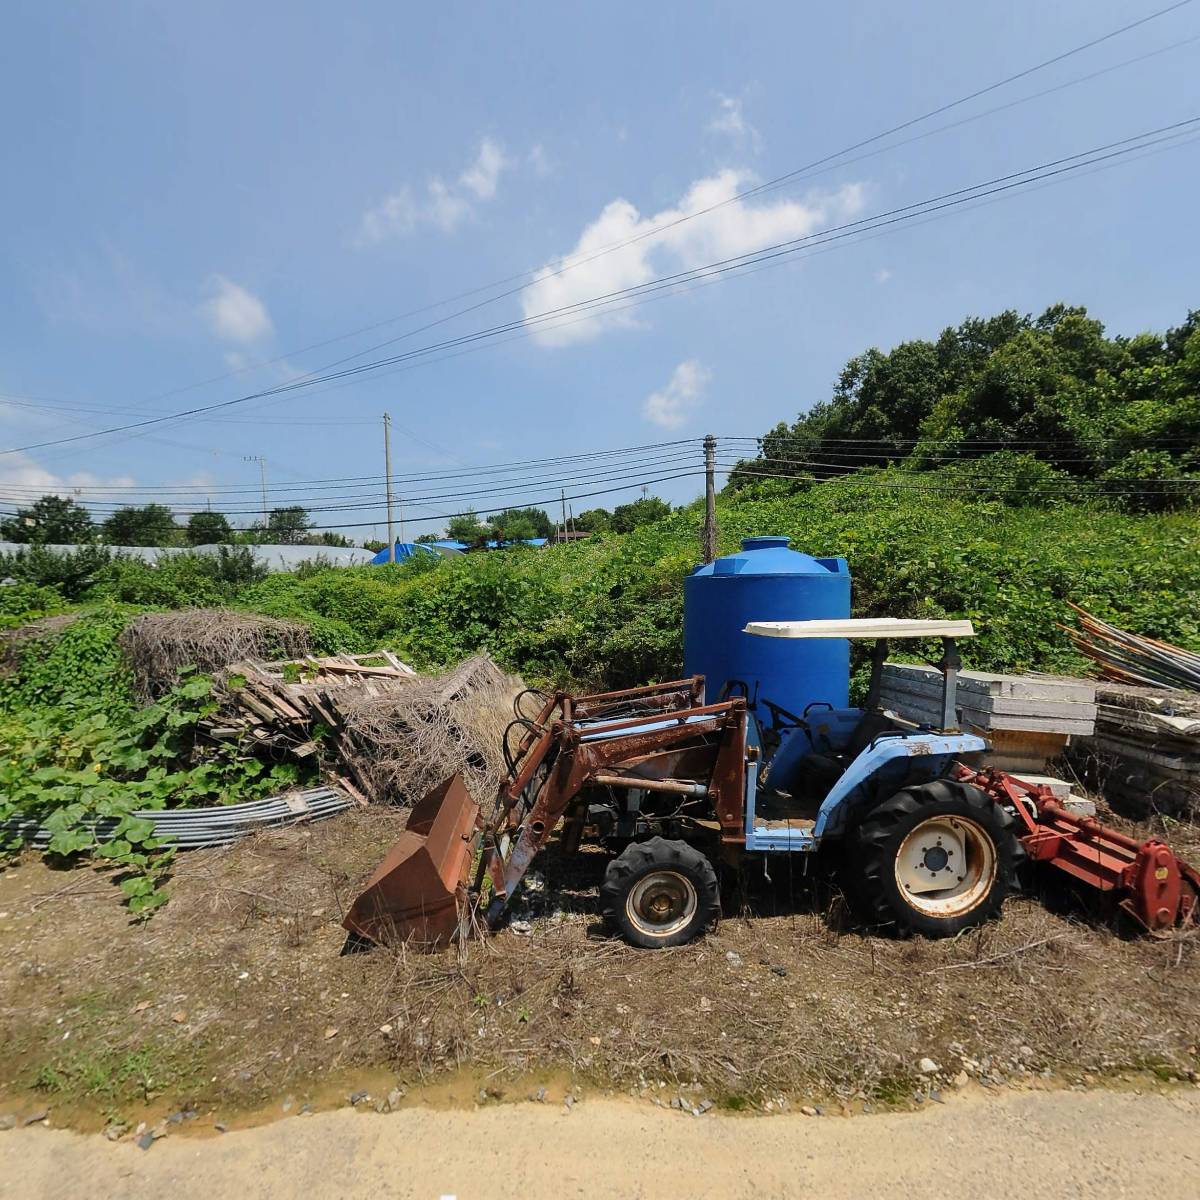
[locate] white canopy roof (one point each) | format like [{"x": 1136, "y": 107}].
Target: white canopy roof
[{"x": 861, "y": 627}]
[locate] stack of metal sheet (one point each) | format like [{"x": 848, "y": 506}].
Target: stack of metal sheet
[
  {"x": 1147, "y": 748},
  {"x": 1027, "y": 718}
]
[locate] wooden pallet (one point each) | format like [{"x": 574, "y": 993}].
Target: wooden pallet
[{"x": 281, "y": 704}]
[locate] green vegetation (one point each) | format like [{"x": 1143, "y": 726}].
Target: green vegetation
[
  {"x": 144, "y": 525},
  {"x": 52, "y": 520},
  {"x": 77, "y": 749},
  {"x": 115, "y": 1075},
  {"x": 1079, "y": 497},
  {"x": 205, "y": 528},
  {"x": 1117, "y": 417}
]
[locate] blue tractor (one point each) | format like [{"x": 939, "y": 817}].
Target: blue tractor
[{"x": 679, "y": 789}]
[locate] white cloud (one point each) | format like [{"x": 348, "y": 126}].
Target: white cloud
[
  {"x": 882, "y": 275},
  {"x": 730, "y": 121},
  {"x": 443, "y": 205},
  {"x": 734, "y": 228},
  {"x": 482, "y": 176},
  {"x": 21, "y": 471},
  {"x": 673, "y": 405},
  {"x": 539, "y": 161},
  {"x": 237, "y": 315}
]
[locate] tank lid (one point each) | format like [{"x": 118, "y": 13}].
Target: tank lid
[{"x": 770, "y": 556}]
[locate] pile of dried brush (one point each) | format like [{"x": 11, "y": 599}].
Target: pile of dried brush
[
  {"x": 158, "y": 645},
  {"x": 411, "y": 739},
  {"x": 382, "y": 732}
]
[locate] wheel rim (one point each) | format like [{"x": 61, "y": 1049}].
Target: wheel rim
[
  {"x": 946, "y": 866},
  {"x": 661, "y": 903}
]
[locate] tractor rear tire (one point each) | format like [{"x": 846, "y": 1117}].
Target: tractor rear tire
[
  {"x": 660, "y": 893},
  {"x": 941, "y": 833}
]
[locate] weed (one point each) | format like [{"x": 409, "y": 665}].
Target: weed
[{"x": 112, "y": 1076}]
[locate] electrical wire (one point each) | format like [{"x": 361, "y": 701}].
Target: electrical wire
[
  {"x": 378, "y": 499},
  {"x": 572, "y": 262},
  {"x": 946, "y": 200},
  {"x": 1186, "y": 486},
  {"x": 646, "y": 452}
]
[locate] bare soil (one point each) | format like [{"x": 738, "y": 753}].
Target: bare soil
[
  {"x": 1040, "y": 1147},
  {"x": 236, "y": 998}
]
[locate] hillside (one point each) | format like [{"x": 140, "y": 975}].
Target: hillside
[{"x": 609, "y": 611}]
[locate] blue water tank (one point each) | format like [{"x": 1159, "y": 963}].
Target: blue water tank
[{"x": 768, "y": 582}]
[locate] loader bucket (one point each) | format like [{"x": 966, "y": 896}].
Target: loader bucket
[{"x": 418, "y": 892}]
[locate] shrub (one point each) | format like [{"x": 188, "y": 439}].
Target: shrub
[
  {"x": 21, "y": 602},
  {"x": 181, "y": 580},
  {"x": 70, "y": 573}
]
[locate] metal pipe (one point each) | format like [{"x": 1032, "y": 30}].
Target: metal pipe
[
  {"x": 194, "y": 828},
  {"x": 679, "y": 787}
]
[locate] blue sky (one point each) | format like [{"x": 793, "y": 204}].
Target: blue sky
[{"x": 195, "y": 189}]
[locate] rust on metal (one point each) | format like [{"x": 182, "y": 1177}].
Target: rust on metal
[
  {"x": 416, "y": 892},
  {"x": 657, "y": 738},
  {"x": 1150, "y": 883}
]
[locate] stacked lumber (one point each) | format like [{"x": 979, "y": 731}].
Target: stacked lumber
[
  {"x": 1147, "y": 748},
  {"x": 1027, "y": 718},
  {"x": 284, "y": 704}
]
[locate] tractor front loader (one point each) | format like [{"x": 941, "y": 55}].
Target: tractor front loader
[{"x": 675, "y": 789}]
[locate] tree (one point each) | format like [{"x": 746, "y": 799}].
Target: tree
[
  {"x": 52, "y": 520},
  {"x": 512, "y": 525},
  {"x": 531, "y": 522},
  {"x": 287, "y": 526},
  {"x": 641, "y": 512},
  {"x": 147, "y": 525},
  {"x": 466, "y": 528},
  {"x": 206, "y": 528},
  {"x": 1055, "y": 386},
  {"x": 594, "y": 520}
]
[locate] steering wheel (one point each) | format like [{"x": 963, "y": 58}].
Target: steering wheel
[{"x": 781, "y": 718}]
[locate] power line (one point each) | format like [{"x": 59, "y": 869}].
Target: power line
[
  {"x": 529, "y": 503},
  {"x": 1064, "y": 488},
  {"x": 572, "y": 262},
  {"x": 616, "y": 471},
  {"x": 569, "y": 263},
  {"x": 921, "y": 441},
  {"x": 816, "y": 454},
  {"x": 646, "y": 452},
  {"x": 969, "y": 204},
  {"x": 950, "y": 199}
]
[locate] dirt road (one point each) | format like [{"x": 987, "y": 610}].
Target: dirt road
[{"x": 1096, "y": 1144}]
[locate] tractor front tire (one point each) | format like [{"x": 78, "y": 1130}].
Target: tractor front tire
[
  {"x": 935, "y": 859},
  {"x": 660, "y": 893}
]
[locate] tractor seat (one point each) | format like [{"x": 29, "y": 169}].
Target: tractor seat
[{"x": 816, "y": 773}]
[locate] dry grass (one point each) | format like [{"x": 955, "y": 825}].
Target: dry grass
[
  {"x": 413, "y": 738},
  {"x": 783, "y": 999},
  {"x": 158, "y": 645}
]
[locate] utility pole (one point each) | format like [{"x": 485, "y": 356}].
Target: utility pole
[
  {"x": 710, "y": 499},
  {"x": 563, "y": 493},
  {"x": 387, "y": 467},
  {"x": 262, "y": 475}
]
